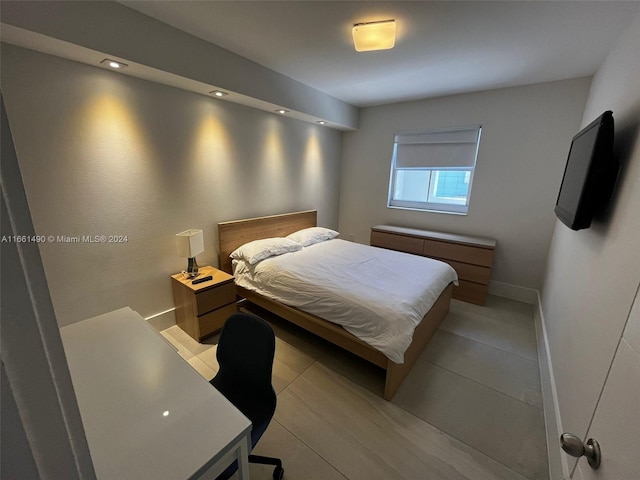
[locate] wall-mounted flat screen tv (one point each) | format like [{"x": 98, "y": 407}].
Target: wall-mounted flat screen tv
[{"x": 589, "y": 175}]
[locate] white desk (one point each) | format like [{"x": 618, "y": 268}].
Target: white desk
[{"x": 145, "y": 411}]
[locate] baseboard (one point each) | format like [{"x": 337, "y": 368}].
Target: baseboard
[
  {"x": 513, "y": 292},
  {"x": 163, "y": 320},
  {"x": 558, "y": 466}
]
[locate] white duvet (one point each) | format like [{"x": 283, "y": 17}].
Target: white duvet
[{"x": 378, "y": 295}]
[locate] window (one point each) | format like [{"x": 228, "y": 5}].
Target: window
[{"x": 433, "y": 169}]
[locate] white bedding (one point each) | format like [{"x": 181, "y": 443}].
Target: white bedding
[{"x": 378, "y": 295}]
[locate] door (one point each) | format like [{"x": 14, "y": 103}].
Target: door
[{"x": 616, "y": 422}]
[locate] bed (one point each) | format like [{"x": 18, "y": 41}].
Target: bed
[{"x": 236, "y": 233}]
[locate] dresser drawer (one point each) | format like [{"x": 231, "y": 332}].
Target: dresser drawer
[
  {"x": 397, "y": 242},
  {"x": 216, "y": 297},
  {"x": 472, "y": 273},
  {"x": 457, "y": 252},
  {"x": 471, "y": 292}
]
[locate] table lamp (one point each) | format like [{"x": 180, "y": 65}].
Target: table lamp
[{"x": 190, "y": 243}]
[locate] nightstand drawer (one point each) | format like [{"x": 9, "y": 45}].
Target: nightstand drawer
[
  {"x": 216, "y": 297},
  {"x": 202, "y": 308},
  {"x": 213, "y": 321}
]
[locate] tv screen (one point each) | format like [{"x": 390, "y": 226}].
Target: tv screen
[{"x": 589, "y": 175}]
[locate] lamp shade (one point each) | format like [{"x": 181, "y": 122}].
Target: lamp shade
[
  {"x": 190, "y": 243},
  {"x": 374, "y": 35}
]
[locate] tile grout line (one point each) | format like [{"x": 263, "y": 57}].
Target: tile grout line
[
  {"x": 535, "y": 364},
  {"x": 536, "y": 361},
  {"x": 479, "y": 383},
  {"x": 300, "y": 439},
  {"x": 508, "y": 467},
  {"x": 296, "y": 377}
]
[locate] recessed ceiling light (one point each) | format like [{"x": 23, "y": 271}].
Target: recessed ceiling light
[
  {"x": 321, "y": 122},
  {"x": 219, "y": 93},
  {"x": 282, "y": 111},
  {"x": 113, "y": 64},
  {"x": 374, "y": 35}
]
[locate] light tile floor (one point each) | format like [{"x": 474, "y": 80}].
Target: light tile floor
[{"x": 470, "y": 409}]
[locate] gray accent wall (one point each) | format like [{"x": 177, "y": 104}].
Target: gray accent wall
[
  {"x": 107, "y": 154},
  {"x": 526, "y": 133}
]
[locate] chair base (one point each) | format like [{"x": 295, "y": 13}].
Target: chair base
[{"x": 278, "y": 472}]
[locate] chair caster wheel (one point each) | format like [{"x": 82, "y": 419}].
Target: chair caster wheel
[{"x": 278, "y": 473}]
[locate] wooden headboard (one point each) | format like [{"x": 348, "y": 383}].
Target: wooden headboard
[{"x": 238, "y": 232}]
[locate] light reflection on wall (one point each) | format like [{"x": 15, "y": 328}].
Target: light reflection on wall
[
  {"x": 212, "y": 147},
  {"x": 113, "y": 148},
  {"x": 273, "y": 173},
  {"x": 312, "y": 174}
]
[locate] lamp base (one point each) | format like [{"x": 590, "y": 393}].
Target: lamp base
[{"x": 192, "y": 268}]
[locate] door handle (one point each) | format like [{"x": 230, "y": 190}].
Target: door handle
[{"x": 575, "y": 447}]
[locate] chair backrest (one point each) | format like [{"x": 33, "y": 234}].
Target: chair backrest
[{"x": 245, "y": 356}]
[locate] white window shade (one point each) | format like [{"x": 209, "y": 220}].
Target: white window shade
[{"x": 437, "y": 149}]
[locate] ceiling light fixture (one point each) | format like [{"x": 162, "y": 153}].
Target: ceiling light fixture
[
  {"x": 218, "y": 93},
  {"x": 321, "y": 122},
  {"x": 374, "y": 35},
  {"x": 282, "y": 111},
  {"x": 113, "y": 64}
]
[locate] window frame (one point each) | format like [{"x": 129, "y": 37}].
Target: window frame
[{"x": 429, "y": 205}]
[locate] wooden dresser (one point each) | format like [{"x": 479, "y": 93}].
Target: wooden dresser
[{"x": 471, "y": 257}]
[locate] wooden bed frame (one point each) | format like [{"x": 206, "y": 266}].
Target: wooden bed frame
[{"x": 236, "y": 233}]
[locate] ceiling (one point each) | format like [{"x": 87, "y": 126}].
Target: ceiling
[{"x": 442, "y": 48}]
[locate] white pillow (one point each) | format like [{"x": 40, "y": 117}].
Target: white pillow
[
  {"x": 257, "y": 250},
  {"x": 311, "y": 235}
]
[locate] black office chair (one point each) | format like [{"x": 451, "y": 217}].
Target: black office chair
[{"x": 245, "y": 355}]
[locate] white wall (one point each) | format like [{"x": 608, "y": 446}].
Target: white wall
[
  {"x": 592, "y": 275},
  {"x": 526, "y": 132},
  {"x": 106, "y": 154}
]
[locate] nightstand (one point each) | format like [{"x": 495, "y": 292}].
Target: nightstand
[{"x": 202, "y": 309}]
